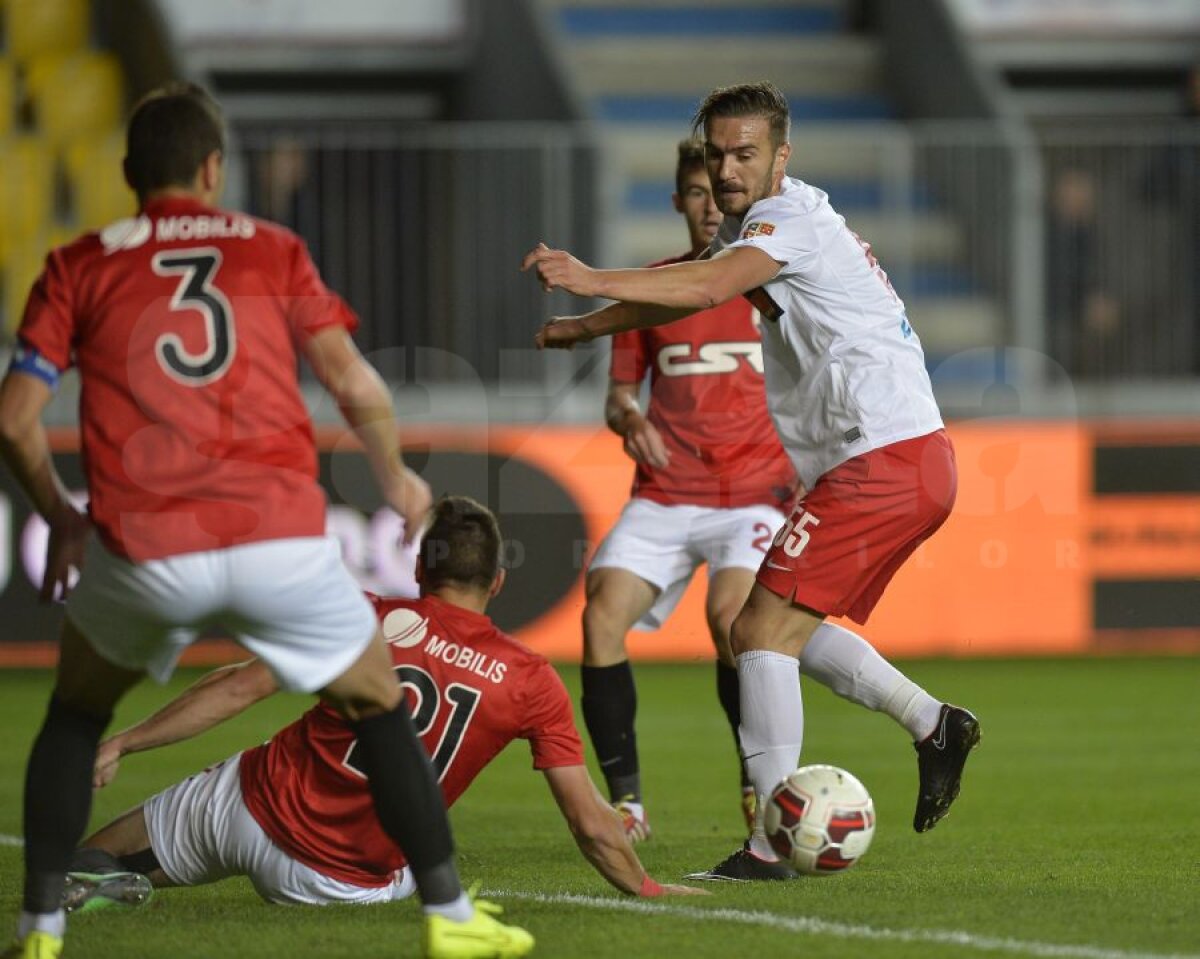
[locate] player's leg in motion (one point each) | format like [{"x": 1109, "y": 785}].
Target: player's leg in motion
[
  {"x": 943, "y": 733},
  {"x": 411, "y": 810},
  {"x": 58, "y": 785},
  {"x": 727, "y": 592},
  {"x": 768, "y": 636},
  {"x": 616, "y": 599}
]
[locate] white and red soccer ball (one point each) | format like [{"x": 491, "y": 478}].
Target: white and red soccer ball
[{"x": 820, "y": 819}]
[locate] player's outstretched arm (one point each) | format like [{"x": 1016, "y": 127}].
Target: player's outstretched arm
[
  {"x": 214, "y": 698},
  {"x": 691, "y": 286},
  {"x": 563, "y": 332},
  {"x": 600, "y": 835},
  {"x": 366, "y": 406}
]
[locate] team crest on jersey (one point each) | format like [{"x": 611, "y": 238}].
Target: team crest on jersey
[
  {"x": 127, "y": 234},
  {"x": 758, "y": 228},
  {"x": 405, "y": 627}
]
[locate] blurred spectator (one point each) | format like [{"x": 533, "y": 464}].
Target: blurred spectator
[
  {"x": 1170, "y": 189},
  {"x": 279, "y": 178},
  {"x": 1084, "y": 318}
]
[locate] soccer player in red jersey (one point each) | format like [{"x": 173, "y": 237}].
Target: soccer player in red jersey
[
  {"x": 295, "y": 814},
  {"x": 185, "y": 324},
  {"x": 710, "y": 487}
]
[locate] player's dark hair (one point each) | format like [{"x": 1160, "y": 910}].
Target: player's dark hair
[
  {"x": 761, "y": 99},
  {"x": 690, "y": 158},
  {"x": 171, "y": 132},
  {"x": 461, "y": 545}
]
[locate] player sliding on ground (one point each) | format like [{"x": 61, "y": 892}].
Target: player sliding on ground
[
  {"x": 852, "y": 403},
  {"x": 295, "y": 814}
]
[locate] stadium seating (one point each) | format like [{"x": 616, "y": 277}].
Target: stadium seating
[
  {"x": 26, "y": 192},
  {"x": 61, "y": 107},
  {"x": 643, "y": 70},
  {"x": 8, "y": 97},
  {"x": 81, "y": 95},
  {"x": 36, "y": 28},
  {"x": 97, "y": 188}
]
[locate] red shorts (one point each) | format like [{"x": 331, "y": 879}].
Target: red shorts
[{"x": 844, "y": 541}]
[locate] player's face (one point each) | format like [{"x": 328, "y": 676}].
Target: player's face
[
  {"x": 698, "y": 207},
  {"x": 743, "y": 164}
]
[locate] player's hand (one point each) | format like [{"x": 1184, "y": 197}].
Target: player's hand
[
  {"x": 643, "y": 442},
  {"x": 675, "y": 889},
  {"x": 557, "y": 269},
  {"x": 108, "y": 760},
  {"x": 409, "y": 496},
  {"x": 562, "y": 333},
  {"x": 69, "y": 531}
]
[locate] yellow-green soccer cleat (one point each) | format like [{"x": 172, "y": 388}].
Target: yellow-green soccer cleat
[
  {"x": 480, "y": 937},
  {"x": 36, "y": 945},
  {"x": 89, "y": 891}
]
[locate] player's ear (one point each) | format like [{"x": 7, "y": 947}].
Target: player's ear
[
  {"x": 211, "y": 171},
  {"x": 498, "y": 583},
  {"x": 677, "y": 202},
  {"x": 781, "y": 157}
]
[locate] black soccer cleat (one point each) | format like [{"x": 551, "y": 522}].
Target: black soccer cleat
[
  {"x": 743, "y": 866},
  {"x": 940, "y": 760}
]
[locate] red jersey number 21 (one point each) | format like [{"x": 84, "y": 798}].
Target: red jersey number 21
[{"x": 196, "y": 269}]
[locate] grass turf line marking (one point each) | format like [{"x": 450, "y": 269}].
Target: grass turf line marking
[
  {"x": 825, "y": 927},
  {"x": 7, "y": 840}
]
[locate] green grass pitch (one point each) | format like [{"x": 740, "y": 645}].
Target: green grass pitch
[{"x": 1077, "y": 834}]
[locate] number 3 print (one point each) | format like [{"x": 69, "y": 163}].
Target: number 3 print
[{"x": 197, "y": 268}]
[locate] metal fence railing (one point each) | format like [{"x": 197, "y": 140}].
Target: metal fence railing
[
  {"x": 1076, "y": 249},
  {"x": 423, "y": 233}
]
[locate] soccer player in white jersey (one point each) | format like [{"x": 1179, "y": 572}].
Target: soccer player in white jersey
[{"x": 854, "y": 408}]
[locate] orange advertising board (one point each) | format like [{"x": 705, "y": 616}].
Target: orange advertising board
[{"x": 1067, "y": 538}]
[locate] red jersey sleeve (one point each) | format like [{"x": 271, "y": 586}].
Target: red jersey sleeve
[
  {"x": 548, "y": 721},
  {"x": 629, "y": 357},
  {"x": 49, "y": 321},
  {"x": 312, "y": 305}
]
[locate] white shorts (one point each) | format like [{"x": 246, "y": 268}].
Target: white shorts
[
  {"x": 201, "y": 831},
  {"x": 291, "y": 602},
  {"x": 664, "y": 544}
]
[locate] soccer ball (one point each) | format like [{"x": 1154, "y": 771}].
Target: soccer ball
[{"x": 821, "y": 819}]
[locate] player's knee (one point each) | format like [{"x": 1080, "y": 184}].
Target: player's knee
[
  {"x": 741, "y": 633},
  {"x": 603, "y": 630}
]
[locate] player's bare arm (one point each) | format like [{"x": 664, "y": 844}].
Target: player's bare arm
[
  {"x": 26, "y": 450},
  {"x": 643, "y": 443},
  {"x": 653, "y": 296},
  {"x": 600, "y": 836},
  {"x": 214, "y": 698},
  {"x": 694, "y": 285},
  {"x": 366, "y": 406}
]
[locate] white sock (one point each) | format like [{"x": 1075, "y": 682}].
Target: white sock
[
  {"x": 54, "y": 923},
  {"x": 460, "y": 910},
  {"x": 850, "y": 666},
  {"x": 772, "y": 729}
]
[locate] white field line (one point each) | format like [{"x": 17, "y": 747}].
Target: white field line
[
  {"x": 840, "y": 930},
  {"x": 7, "y": 840}
]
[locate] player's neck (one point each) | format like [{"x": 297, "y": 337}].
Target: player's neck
[
  {"x": 203, "y": 197},
  {"x": 476, "y": 600}
]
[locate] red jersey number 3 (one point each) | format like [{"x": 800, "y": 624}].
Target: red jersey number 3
[{"x": 196, "y": 269}]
